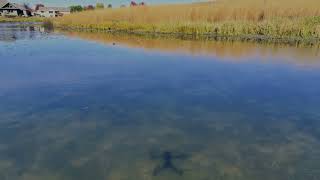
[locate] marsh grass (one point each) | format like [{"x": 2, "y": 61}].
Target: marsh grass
[
  {"x": 263, "y": 18},
  {"x": 20, "y": 19}
]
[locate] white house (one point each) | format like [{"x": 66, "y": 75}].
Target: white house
[
  {"x": 13, "y": 9},
  {"x": 52, "y": 11}
]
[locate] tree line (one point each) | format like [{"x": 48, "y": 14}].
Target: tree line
[{"x": 79, "y": 8}]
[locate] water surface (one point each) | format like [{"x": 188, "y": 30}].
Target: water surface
[{"x": 85, "y": 106}]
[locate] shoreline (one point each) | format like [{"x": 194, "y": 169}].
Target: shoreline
[
  {"x": 189, "y": 33},
  {"x": 21, "y": 20},
  {"x": 250, "y": 20},
  {"x": 204, "y": 36},
  {"x": 271, "y": 21}
]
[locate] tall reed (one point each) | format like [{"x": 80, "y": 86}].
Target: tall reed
[{"x": 277, "y": 18}]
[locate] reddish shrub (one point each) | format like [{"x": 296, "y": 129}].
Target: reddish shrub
[
  {"x": 89, "y": 7},
  {"x": 133, "y": 3}
]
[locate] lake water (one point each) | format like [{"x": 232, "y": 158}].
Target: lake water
[{"x": 79, "y": 106}]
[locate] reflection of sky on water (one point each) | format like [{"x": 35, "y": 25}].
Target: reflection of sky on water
[{"x": 76, "y": 109}]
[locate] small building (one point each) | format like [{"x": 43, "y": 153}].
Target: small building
[
  {"x": 13, "y": 9},
  {"x": 52, "y": 11}
]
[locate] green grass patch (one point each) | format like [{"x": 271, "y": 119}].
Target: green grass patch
[{"x": 20, "y": 19}]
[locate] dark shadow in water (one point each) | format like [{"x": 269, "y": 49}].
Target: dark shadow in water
[{"x": 167, "y": 164}]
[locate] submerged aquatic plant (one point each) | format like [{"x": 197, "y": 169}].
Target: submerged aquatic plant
[{"x": 167, "y": 158}]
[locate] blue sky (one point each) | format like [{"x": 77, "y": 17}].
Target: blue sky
[{"x": 86, "y": 2}]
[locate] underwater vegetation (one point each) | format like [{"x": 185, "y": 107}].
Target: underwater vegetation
[
  {"x": 121, "y": 113},
  {"x": 167, "y": 158}
]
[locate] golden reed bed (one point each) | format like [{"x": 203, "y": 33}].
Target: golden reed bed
[{"x": 270, "y": 18}]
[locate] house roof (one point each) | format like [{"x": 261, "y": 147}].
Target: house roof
[
  {"x": 3, "y": 2},
  {"x": 61, "y": 9}
]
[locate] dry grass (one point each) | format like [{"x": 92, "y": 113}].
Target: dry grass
[
  {"x": 251, "y": 10},
  {"x": 281, "y": 18}
]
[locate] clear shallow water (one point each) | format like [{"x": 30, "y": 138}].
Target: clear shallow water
[{"x": 72, "y": 108}]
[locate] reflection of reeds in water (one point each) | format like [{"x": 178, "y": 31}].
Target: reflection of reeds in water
[{"x": 235, "y": 50}]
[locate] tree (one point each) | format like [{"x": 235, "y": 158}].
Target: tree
[
  {"x": 109, "y": 5},
  {"x": 76, "y": 8},
  {"x": 133, "y": 3},
  {"x": 89, "y": 7},
  {"x": 28, "y": 12},
  {"x": 99, "y": 6},
  {"x": 37, "y": 7},
  {"x": 26, "y": 6}
]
